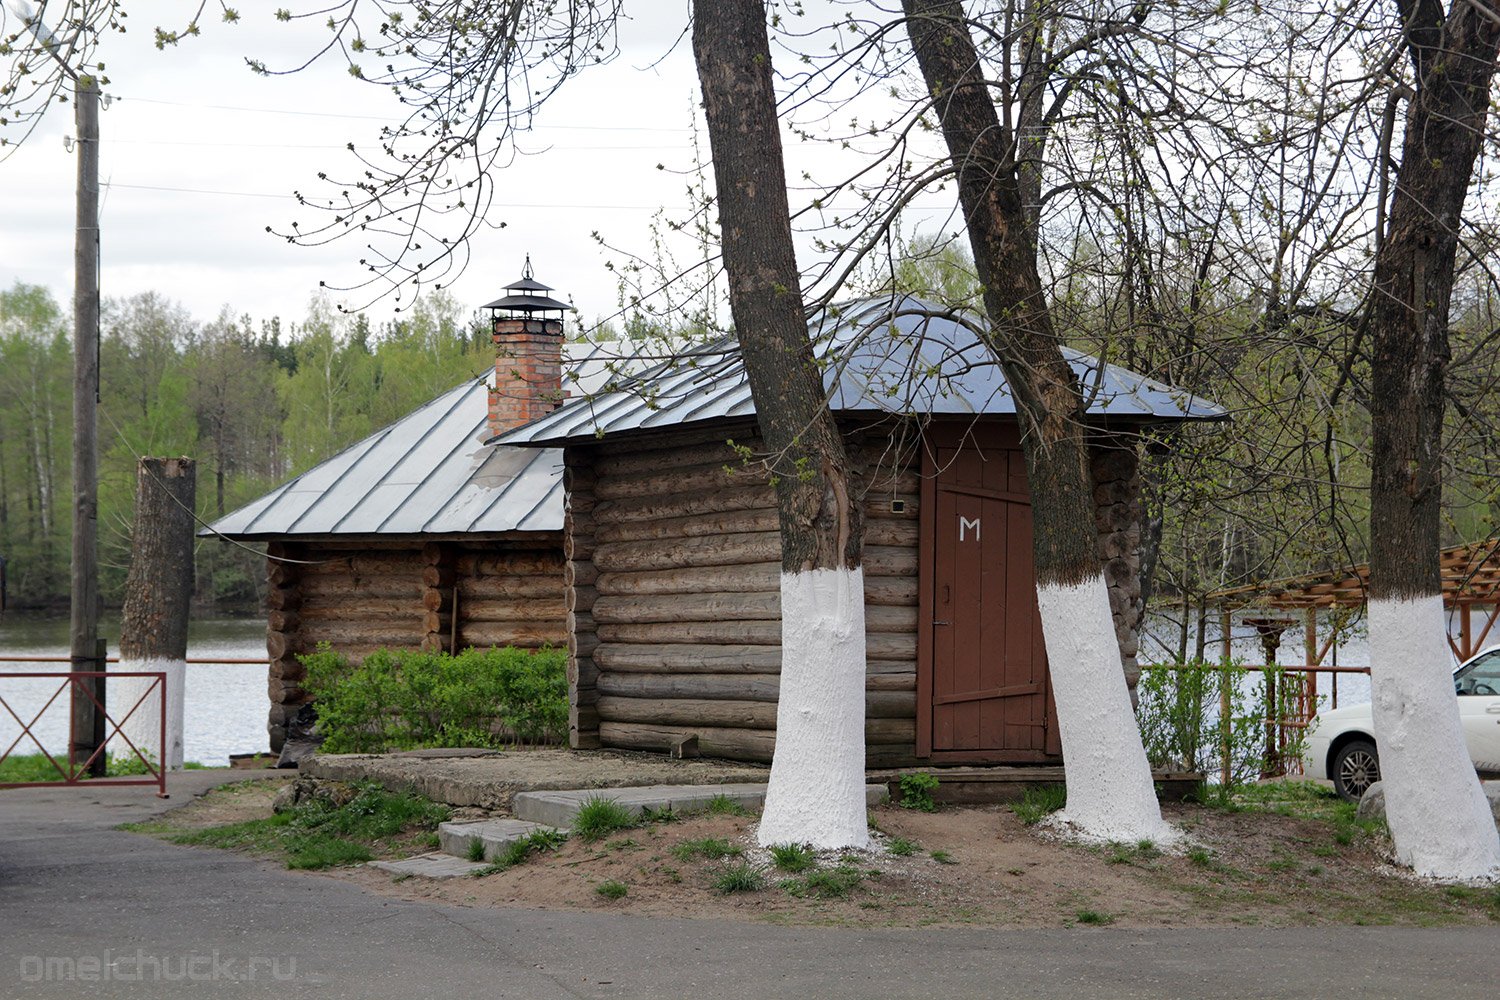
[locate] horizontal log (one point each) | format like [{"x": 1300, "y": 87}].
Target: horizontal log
[
  {"x": 437, "y": 599},
  {"x": 351, "y": 605},
  {"x": 883, "y": 618},
  {"x": 891, "y": 591},
  {"x": 552, "y": 609},
  {"x": 662, "y": 439},
  {"x": 888, "y": 482},
  {"x": 699, "y": 607},
  {"x": 282, "y": 620},
  {"x": 438, "y": 623},
  {"x": 688, "y": 712},
  {"x": 581, "y": 623},
  {"x": 763, "y": 633},
  {"x": 688, "y": 479},
  {"x": 891, "y": 531},
  {"x": 762, "y": 577},
  {"x": 730, "y": 744},
  {"x": 716, "y": 687},
  {"x": 684, "y": 658},
  {"x": 581, "y": 598},
  {"x": 281, "y": 644},
  {"x": 889, "y": 560},
  {"x": 690, "y": 526},
  {"x": 529, "y": 585},
  {"x": 883, "y": 755},
  {"x": 878, "y": 506},
  {"x": 282, "y": 574},
  {"x": 580, "y": 573},
  {"x": 583, "y": 674},
  {"x": 511, "y": 562},
  {"x": 884, "y": 705},
  {"x": 718, "y": 550},
  {"x": 900, "y": 646},
  {"x": 365, "y": 564},
  {"x": 441, "y": 577},
  {"x": 582, "y": 643},
  {"x": 652, "y": 459},
  {"x": 340, "y": 633},
  {"x": 287, "y": 668},
  {"x": 891, "y": 666},
  {"x": 279, "y": 598},
  {"x": 891, "y": 682},
  {"x": 675, "y": 504},
  {"x": 436, "y": 553},
  {"x": 285, "y": 692},
  {"x": 334, "y": 587},
  {"x": 526, "y": 635}
]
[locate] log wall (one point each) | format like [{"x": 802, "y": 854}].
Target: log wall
[
  {"x": 682, "y": 631},
  {"x": 360, "y": 595}
]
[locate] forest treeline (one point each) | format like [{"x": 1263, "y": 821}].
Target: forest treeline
[{"x": 254, "y": 401}]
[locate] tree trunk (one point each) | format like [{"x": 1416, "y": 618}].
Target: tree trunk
[
  {"x": 1110, "y": 791},
  {"x": 816, "y": 792},
  {"x": 154, "y": 622},
  {"x": 1438, "y": 815}
]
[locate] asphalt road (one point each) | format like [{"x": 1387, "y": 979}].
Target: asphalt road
[{"x": 87, "y": 911}]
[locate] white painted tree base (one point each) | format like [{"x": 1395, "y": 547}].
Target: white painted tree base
[
  {"x": 817, "y": 791},
  {"x": 143, "y": 726},
  {"x": 1438, "y": 815},
  {"x": 1110, "y": 792}
]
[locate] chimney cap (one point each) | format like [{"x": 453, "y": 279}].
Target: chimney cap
[{"x": 526, "y": 296}]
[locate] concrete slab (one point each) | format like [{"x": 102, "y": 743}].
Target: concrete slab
[
  {"x": 560, "y": 807},
  {"x": 489, "y": 781},
  {"x": 434, "y": 865},
  {"x": 495, "y": 834}
]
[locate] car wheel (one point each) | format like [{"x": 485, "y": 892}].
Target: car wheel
[{"x": 1355, "y": 768}]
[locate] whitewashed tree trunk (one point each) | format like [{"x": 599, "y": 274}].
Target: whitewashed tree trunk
[
  {"x": 817, "y": 790},
  {"x": 143, "y": 726},
  {"x": 1438, "y": 815},
  {"x": 1111, "y": 795}
]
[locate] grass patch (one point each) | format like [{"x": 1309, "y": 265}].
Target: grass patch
[
  {"x": 739, "y": 878},
  {"x": 1119, "y": 854},
  {"x": 318, "y": 834},
  {"x": 792, "y": 858},
  {"x": 943, "y": 858},
  {"x": 599, "y": 817},
  {"x": 901, "y": 847},
  {"x": 663, "y": 814},
  {"x": 713, "y": 848},
  {"x": 1039, "y": 803},
  {"x": 612, "y": 889},
  {"x": 1093, "y": 918},
  {"x": 476, "y": 850},
  {"x": 33, "y": 767},
  {"x": 723, "y": 805},
  {"x": 1200, "y": 857},
  {"x": 826, "y": 883}
]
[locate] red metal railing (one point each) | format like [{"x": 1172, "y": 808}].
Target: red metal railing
[{"x": 71, "y": 772}]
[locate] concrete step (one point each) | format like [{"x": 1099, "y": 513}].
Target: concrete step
[
  {"x": 495, "y": 834},
  {"x": 558, "y": 808},
  {"x": 433, "y": 865}
]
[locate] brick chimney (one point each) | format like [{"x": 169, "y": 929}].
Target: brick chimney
[
  {"x": 528, "y": 371},
  {"x": 528, "y": 353}
]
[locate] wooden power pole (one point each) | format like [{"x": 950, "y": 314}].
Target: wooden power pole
[{"x": 85, "y": 649}]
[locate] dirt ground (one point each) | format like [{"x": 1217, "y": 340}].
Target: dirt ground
[{"x": 1245, "y": 867}]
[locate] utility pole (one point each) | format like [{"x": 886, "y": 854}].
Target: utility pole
[{"x": 86, "y": 651}]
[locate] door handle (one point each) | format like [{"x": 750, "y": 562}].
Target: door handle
[
  {"x": 936, "y": 622},
  {"x": 1493, "y": 710}
]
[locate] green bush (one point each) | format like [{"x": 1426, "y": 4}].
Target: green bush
[
  {"x": 407, "y": 699},
  {"x": 916, "y": 791}
]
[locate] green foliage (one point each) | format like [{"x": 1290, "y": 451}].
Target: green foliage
[
  {"x": 916, "y": 791},
  {"x": 1094, "y": 918},
  {"x": 826, "y": 883},
  {"x": 943, "y": 858},
  {"x": 1182, "y": 728},
  {"x": 1040, "y": 802},
  {"x": 599, "y": 817},
  {"x": 792, "y": 857},
  {"x": 739, "y": 878},
  {"x": 612, "y": 889},
  {"x": 476, "y": 849},
  {"x": 723, "y": 805},
  {"x": 407, "y": 699}
]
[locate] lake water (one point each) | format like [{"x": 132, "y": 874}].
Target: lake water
[{"x": 225, "y": 704}]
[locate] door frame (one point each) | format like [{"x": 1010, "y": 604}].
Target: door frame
[{"x": 982, "y": 434}]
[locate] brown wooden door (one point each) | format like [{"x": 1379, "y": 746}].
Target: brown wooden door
[{"x": 989, "y": 695}]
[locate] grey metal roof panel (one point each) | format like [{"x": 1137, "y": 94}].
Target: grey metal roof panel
[
  {"x": 431, "y": 473},
  {"x": 895, "y": 356}
]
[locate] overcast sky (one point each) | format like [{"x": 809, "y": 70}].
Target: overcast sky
[{"x": 200, "y": 155}]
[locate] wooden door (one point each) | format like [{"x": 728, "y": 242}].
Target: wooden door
[{"x": 985, "y": 686}]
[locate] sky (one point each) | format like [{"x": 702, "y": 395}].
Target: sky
[{"x": 199, "y": 155}]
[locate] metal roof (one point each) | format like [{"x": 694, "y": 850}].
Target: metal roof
[
  {"x": 898, "y": 356},
  {"x": 430, "y": 473}
]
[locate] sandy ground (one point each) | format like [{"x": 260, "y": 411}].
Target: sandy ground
[{"x": 1240, "y": 868}]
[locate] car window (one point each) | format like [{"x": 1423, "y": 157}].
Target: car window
[{"x": 1482, "y": 676}]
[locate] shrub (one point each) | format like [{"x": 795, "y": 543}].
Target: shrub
[
  {"x": 740, "y": 878},
  {"x": 916, "y": 791},
  {"x": 612, "y": 889},
  {"x": 406, "y": 699}
]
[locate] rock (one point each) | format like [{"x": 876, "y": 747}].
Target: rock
[
  {"x": 302, "y": 737},
  {"x": 305, "y": 790},
  {"x": 1372, "y": 803}
]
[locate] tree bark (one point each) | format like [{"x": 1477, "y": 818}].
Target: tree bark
[
  {"x": 816, "y": 792},
  {"x": 1110, "y": 793},
  {"x": 154, "y": 622},
  {"x": 1438, "y": 816}
]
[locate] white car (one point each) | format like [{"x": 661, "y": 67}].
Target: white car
[{"x": 1341, "y": 743}]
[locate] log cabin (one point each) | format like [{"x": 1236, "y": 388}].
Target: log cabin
[
  {"x": 673, "y": 550},
  {"x": 421, "y": 535}
]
